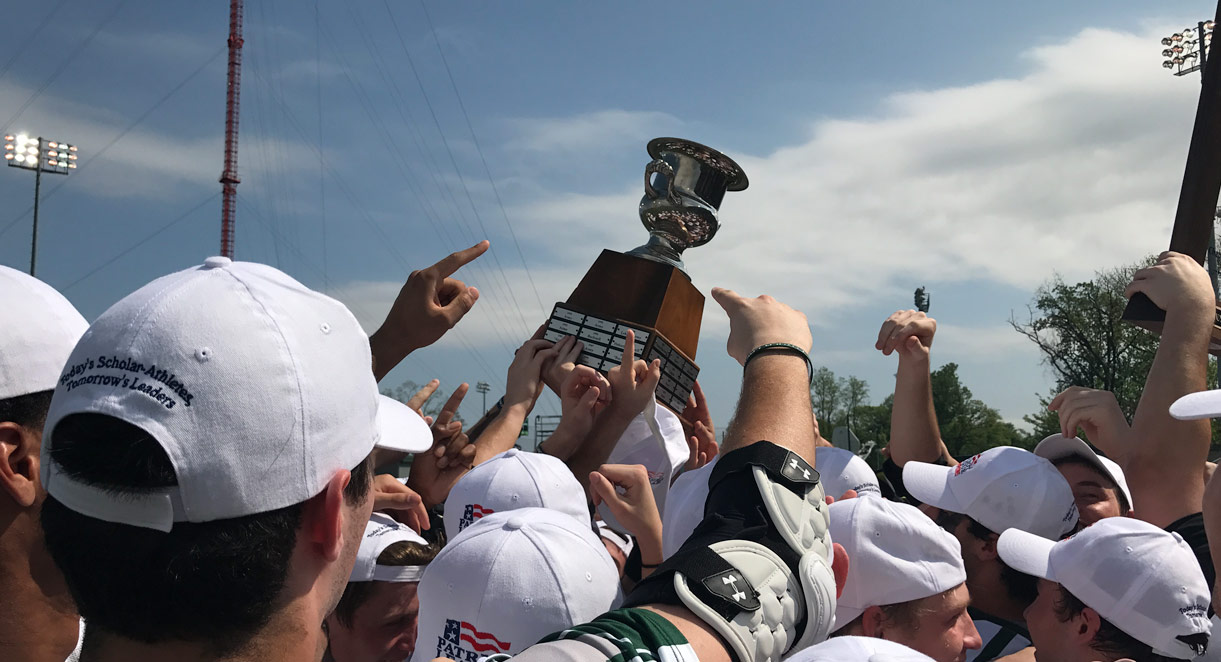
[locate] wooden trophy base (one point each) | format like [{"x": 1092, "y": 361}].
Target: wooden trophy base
[
  {"x": 1142, "y": 312},
  {"x": 657, "y": 301}
]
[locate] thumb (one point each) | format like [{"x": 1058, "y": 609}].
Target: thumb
[
  {"x": 600, "y": 488},
  {"x": 461, "y": 305},
  {"x": 589, "y": 398}
]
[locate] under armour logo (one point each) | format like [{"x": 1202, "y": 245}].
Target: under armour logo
[
  {"x": 805, "y": 473},
  {"x": 732, "y": 580},
  {"x": 734, "y": 589}
]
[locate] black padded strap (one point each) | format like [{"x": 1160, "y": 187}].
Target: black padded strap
[
  {"x": 783, "y": 465},
  {"x": 709, "y": 576}
]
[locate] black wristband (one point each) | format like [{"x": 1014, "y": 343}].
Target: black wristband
[{"x": 781, "y": 347}]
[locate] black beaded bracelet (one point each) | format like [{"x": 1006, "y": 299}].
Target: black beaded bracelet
[{"x": 782, "y": 346}]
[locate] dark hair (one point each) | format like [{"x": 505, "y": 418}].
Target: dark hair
[
  {"x": 1020, "y": 586},
  {"x": 214, "y": 583},
  {"x": 1124, "y": 506},
  {"x": 28, "y": 411},
  {"x": 1112, "y": 641},
  {"x": 398, "y": 554},
  {"x": 904, "y": 615}
]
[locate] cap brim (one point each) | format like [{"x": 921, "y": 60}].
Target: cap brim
[
  {"x": 1194, "y": 406},
  {"x": 400, "y": 428},
  {"x": 1057, "y": 447},
  {"x": 1026, "y": 553},
  {"x": 930, "y": 483}
]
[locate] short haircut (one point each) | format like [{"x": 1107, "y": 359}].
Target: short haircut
[
  {"x": 1124, "y": 506},
  {"x": 1020, "y": 586},
  {"x": 215, "y": 583},
  {"x": 402, "y": 553},
  {"x": 1109, "y": 639},
  {"x": 28, "y": 411},
  {"x": 904, "y": 615}
]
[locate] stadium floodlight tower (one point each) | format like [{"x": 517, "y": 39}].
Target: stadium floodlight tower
[
  {"x": 39, "y": 155},
  {"x": 1187, "y": 51}
]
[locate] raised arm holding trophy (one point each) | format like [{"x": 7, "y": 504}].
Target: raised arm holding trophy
[{"x": 1193, "y": 220}]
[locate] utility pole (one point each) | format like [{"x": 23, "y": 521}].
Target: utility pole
[{"x": 483, "y": 388}]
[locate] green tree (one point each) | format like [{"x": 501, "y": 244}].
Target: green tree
[
  {"x": 825, "y": 396},
  {"x": 1079, "y": 330},
  {"x": 968, "y": 426}
]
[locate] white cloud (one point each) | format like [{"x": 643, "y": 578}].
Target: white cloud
[
  {"x": 146, "y": 162},
  {"x": 1073, "y": 167},
  {"x": 562, "y": 135}
]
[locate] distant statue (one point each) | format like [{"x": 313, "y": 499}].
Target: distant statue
[{"x": 922, "y": 299}]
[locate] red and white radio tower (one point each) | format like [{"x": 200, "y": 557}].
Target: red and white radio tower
[{"x": 228, "y": 178}]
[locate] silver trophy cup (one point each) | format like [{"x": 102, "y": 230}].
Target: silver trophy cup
[{"x": 683, "y": 188}]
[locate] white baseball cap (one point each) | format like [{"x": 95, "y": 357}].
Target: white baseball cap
[
  {"x": 509, "y": 580},
  {"x": 838, "y": 469},
  {"x": 401, "y": 428},
  {"x": 511, "y": 480},
  {"x": 1057, "y": 447},
  {"x": 381, "y": 532},
  {"x": 654, "y": 439},
  {"x": 896, "y": 554},
  {"x": 39, "y": 331},
  {"x": 1142, "y": 579},
  {"x": 858, "y": 649},
  {"x": 1001, "y": 488},
  {"x": 1194, "y": 406},
  {"x": 257, "y": 388}
]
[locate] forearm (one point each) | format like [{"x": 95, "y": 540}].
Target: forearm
[
  {"x": 387, "y": 353},
  {"x": 914, "y": 435},
  {"x": 502, "y": 433},
  {"x": 1164, "y": 468},
  {"x": 774, "y": 406},
  {"x": 598, "y": 446},
  {"x": 562, "y": 443}
]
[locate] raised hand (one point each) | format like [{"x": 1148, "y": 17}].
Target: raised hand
[
  {"x": 759, "y": 321},
  {"x": 1177, "y": 284},
  {"x": 909, "y": 332},
  {"x": 633, "y": 383},
  {"x": 429, "y": 304},
  {"x": 400, "y": 502},
  {"x": 525, "y": 380},
  {"x": 1098, "y": 415},
  {"x": 556, "y": 371},
  {"x": 625, "y": 490},
  {"x": 449, "y": 444},
  {"x": 701, "y": 443}
]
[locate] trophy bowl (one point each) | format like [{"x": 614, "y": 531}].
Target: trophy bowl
[{"x": 684, "y": 185}]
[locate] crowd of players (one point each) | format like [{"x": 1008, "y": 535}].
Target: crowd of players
[{"x": 194, "y": 476}]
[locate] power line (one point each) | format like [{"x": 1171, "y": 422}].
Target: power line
[
  {"x": 370, "y": 110},
  {"x": 64, "y": 65},
  {"x": 128, "y": 129},
  {"x": 30, "y": 39},
  {"x": 143, "y": 241},
  {"x": 479, "y": 150},
  {"x": 453, "y": 161},
  {"x": 364, "y": 214}
]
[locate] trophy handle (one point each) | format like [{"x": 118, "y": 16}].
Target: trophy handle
[{"x": 660, "y": 166}]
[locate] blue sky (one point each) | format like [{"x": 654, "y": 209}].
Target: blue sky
[{"x": 968, "y": 147}]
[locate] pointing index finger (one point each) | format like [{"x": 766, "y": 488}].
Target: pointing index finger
[{"x": 456, "y": 260}]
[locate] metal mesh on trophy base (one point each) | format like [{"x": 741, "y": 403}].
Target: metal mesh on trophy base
[{"x": 604, "y": 341}]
